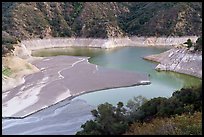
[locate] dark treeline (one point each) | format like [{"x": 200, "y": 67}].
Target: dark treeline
[{"x": 115, "y": 120}]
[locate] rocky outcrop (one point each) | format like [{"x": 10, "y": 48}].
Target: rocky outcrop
[{"x": 179, "y": 60}]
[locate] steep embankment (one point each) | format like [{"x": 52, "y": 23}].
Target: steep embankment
[
  {"x": 179, "y": 60},
  {"x": 19, "y": 68},
  {"x": 105, "y": 43},
  {"x": 19, "y": 65}
]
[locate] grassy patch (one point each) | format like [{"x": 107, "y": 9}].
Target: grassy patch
[{"x": 6, "y": 71}]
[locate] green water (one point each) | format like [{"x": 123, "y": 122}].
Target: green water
[
  {"x": 71, "y": 51},
  {"x": 129, "y": 58}
]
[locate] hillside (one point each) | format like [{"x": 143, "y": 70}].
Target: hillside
[
  {"x": 101, "y": 19},
  {"x": 163, "y": 18}
]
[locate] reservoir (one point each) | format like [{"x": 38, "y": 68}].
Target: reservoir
[
  {"x": 66, "y": 118},
  {"x": 127, "y": 58}
]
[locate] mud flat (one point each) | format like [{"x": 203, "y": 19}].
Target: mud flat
[
  {"x": 59, "y": 78},
  {"x": 179, "y": 60}
]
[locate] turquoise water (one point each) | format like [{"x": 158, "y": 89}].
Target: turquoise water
[{"x": 129, "y": 58}]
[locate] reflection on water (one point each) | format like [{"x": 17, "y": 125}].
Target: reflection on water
[
  {"x": 71, "y": 51},
  {"x": 128, "y": 58},
  {"x": 185, "y": 80}
]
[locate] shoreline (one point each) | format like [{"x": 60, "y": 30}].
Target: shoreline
[
  {"x": 72, "y": 97},
  {"x": 34, "y": 44}
]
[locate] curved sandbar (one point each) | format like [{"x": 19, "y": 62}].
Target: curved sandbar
[{"x": 62, "y": 77}]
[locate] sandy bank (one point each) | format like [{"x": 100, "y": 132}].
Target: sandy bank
[
  {"x": 20, "y": 64},
  {"x": 19, "y": 68}
]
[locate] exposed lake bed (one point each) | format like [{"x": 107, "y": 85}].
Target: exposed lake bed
[{"x": 70, "y": 77}]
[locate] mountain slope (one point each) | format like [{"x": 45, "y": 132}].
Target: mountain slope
[
  {"x": 26, "y": 20},
  {"x": 163, "y": 18}
]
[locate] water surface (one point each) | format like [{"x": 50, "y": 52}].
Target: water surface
[
  {"x": 129, "y": 58},
  {"x": 67, "y": 117}
]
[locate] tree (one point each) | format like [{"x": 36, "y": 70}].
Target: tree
[
  {"x": 189, "y": 43},
  {"x": 152, "y": 107},
  {"x": 136, "y": 102},
  {"x": 109, "y": 120},
  {"x": 133, "y": 105},
  {"x": 89, "y": 128},
  {"x": 198, "y": 45}
]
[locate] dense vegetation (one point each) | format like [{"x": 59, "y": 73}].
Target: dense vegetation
[
  {"x": 24, "y": 20},
  {"x": 101, "y": 19},
  {"x": 162, "y": 19},
  {"x": 185, "y": 124},
  {"x": 179, "y": 114}
]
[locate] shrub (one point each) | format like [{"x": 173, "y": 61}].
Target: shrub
[
  {"x": 198, "y": 45},
  {"x": 189, "y": 43},
  {"x": 8, "y": 48},
  {"x": 185, "y": 124}
]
